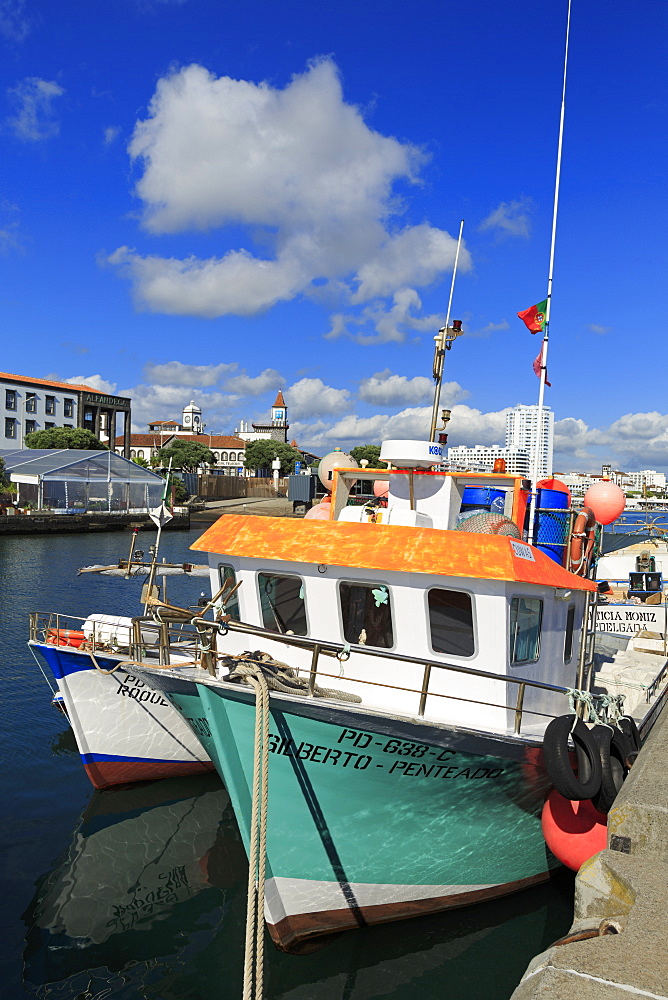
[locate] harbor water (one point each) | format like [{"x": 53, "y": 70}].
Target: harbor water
[{"x": 141, "y": 892}]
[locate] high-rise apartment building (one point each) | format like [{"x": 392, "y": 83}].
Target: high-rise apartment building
[{"x": 522, "y": 431}]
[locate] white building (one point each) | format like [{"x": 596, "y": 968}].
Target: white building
[
  {"x": 646, "y": 479},
  {"x": 37, "y": 404},
  {"x": 276, "y": 429},
  {"x": 228, "y": 450},
  {"x": 481, "y": 458},
  {"x": 522, "y": 432}
]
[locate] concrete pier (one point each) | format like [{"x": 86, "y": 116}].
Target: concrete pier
[
  {"x": 41, "y": 523},
  {"x": 616, "y": 946}
]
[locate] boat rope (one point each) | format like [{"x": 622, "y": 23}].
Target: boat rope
[
  {"x": 34, "y": 656},
  {"x": 602, "y": 709},
  {"x": 257, "y": 846},
  {"x": 278, "y": 676},
  {"x": 101, "y": 669}
]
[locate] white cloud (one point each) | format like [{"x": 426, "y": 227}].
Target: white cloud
[
  {"x": 176, "y": 373},
  {"x": 10, "y": 237},
  {"x": 166, "y": 402},
  {"x": 416, "y": 256},
  {"x": 298, "y": 167},
  {"x": 389, "y": 322},
  {"x": 237, "y": 283},
  {"x": 111, "y": 133},
  {"x": 15, "y": 25},
  {"x": 34, "y": 119},
  {"x": 467, "y": 426},
  {"x": 386, "y": 389},
  {"x": 311, "y": 397},
  {"x": 597, "y": 328},
  {"x": 246, "y": 385},
  {"x": 94, "y": 381},
  {"x": 488, "y": 330},
  {"x": 510, "y": 218}
]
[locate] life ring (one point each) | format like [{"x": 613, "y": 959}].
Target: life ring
[
  {"x": 587, "y": 782},
  {"x": 614, "y": 749},
  {"x": 582, "y": 541},
  {"x": 65, "y": 637}
]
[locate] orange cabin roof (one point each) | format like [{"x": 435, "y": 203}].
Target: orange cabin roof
[{"x": 387, "y": 548}]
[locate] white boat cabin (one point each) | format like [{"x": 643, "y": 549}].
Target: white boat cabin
[{"x": 407, "y": 584}]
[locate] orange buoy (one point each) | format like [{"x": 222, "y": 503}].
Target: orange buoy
[
  {"x": 65, "y": 637},
  {"x": 574, "y": 831}
]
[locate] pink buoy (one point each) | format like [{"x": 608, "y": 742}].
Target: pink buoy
[
  {"x": 574, "y": 831},
  {"x": 606, "y": 500},
  {"x": 321, "y": 511},
  {"x": 381, "y": 487}
]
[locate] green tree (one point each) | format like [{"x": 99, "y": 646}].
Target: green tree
[
  {"x": 142, "y": 462},
  {"x": 4, "y": 480},
  {"x": 77, "y": 438},
  {"x": 185, "y": 455},
  {"x": 371, "y": 452},
  {"x": 260, "y": 454},
  {"x": 180, "y": 492}
]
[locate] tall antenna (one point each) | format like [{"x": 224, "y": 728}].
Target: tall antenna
[
  {"x": 546, "y": 327},
  {"x": 444, "y": 339}
]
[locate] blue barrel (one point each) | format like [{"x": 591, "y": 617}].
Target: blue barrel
[
  {"x": 483, "y": 498},
  {"x": 552, "y": 525}
]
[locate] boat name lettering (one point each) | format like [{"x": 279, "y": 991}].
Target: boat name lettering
[
  {"x": 611, "y": 614},
  {"x": 410, "y": 768},
  {"x": 398, "y": 747},
  {"x": 318, "y": 754},
  {"x": 133, "y": 687},
  {"x": 200, "y": 725},
  {"x": 144, "y": 901}
]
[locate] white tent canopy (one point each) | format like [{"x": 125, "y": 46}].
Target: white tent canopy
[{"x": 72, "y": 480}]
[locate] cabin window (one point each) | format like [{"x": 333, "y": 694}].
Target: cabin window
[
  {"x": 282, "y": 603},
  {"x": 526, "y": 614},
  {"x": 568, "y": 638},
  {"x": 451, "y": 622},
  {"x": 366, "y": 614},
  {"x": 226, "y": 573}
]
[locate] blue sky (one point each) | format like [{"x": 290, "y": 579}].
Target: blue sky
[{"x": 210, "y": 200}]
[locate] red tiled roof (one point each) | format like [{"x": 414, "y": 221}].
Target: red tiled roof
[
  {"x": 74, "y": 386},
  {"x": 139, "y": 440},
  {"x": 279, "y": 399},
  {"x": 213, "y": 440}
]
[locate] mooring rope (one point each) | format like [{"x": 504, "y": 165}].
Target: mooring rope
[{"x": 257, "y": 848}]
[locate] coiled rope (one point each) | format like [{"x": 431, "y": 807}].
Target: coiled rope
[{"x": 257, "y": 848}]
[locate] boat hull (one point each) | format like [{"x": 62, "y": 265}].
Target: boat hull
[
  {"x": 125, "y": 731},
  {"x": 373, "y": 819}
]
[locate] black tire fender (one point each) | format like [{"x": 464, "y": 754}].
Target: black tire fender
[
  {"x": 587, "y": 782},
  {"x": 614, "y": 749},
  {"x": 628, "y": 726}
]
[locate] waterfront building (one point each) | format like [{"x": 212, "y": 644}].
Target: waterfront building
[
  {"x": 481, "y": 458},
  {"x": 36, "y": 404},
  {"x": 229, "y": 451},
  {"x": 276, "y": 429},
  {"x": 522, "y": 431}
]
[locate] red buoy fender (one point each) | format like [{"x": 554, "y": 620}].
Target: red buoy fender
[
  {"x": 574, "y": 831},
  {"x": 582, "y": 541}
]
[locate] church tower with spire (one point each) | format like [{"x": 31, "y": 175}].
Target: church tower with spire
[{"x": 279, "y": 419}]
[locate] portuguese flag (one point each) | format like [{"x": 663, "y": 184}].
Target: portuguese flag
[{"x": 534, "y": 318}]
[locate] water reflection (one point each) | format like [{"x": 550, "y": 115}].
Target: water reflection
[{"x": 149, "y": 900}]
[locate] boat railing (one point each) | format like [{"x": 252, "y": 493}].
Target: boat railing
[{"x": 193, "y": 643}]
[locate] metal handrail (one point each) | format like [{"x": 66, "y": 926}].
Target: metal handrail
[{"x": 317, "y": 647}]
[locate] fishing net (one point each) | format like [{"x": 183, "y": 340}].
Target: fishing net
[{"x": 489, "y": 523}]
